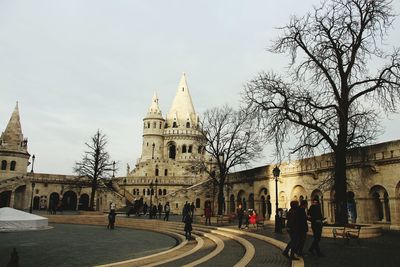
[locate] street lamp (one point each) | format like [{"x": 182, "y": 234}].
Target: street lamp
[
  {"x": 33, "y": 162},
  {"x": 124, "y": 186},
  {"x": 156, "y": 191},
  {"x": 278, "y": 225},
  {"x": 113, "y": 169},
  {"x": 151, "y": 203},
  {"x": 33, "y": 188}
]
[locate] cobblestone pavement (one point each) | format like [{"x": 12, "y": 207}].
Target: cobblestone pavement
[
  {"x": 80, "y": 245},
  {"x": 381, "y": 251}
]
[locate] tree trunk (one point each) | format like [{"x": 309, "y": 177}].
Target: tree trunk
[
  {"x": 221, "y": 196},
  {"x": 340, "y": 185},
  {"x": 93, "y": 193}
]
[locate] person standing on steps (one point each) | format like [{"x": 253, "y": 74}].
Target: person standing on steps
[
  {"x": 207, "y": 213},
  {"x": 240, "y": 214},
  {"x": 188, "y": 227},
  {"x": 167, "y": 209},
  {"x": 159, "y": 209},
  {"x": 316, "y": 219}
]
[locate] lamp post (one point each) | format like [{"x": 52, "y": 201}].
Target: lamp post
[
  {"x": 156, "y": 191},
  {"x": 33, "y": 162},
  {"x": 33, "y": 188},
  {"x": 33, "y": 185},
  {"x": 113, "y": 169},
  {"x": 151, "y": 198},
  {"x": 278, "y": 225},
  {"x": 124, "y": 186}
]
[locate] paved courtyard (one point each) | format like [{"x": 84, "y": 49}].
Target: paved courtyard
[{"x": 80, "y": 245}]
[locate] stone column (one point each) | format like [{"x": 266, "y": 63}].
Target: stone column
[
  {"x": 394, "y": 204},
  {"x": 362, "y": 206}
]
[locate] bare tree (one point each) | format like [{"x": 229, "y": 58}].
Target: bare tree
[
  {"x": 95, "y": 163},
  {"x": 230, "y": 140},
  {"x": 338, "y": 82}
]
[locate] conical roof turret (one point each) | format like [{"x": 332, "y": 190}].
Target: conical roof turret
[
  {"x": 12, "y": 137},
  {"x": 154, "y": 110},
  {"x": 182, "y": 109}
]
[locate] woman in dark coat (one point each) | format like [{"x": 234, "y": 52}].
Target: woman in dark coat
[{"x": 188, "y": 226}]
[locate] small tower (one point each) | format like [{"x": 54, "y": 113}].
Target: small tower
[
  {"x": 153, "y": 129},
  {"x": 13, "y": 149}
]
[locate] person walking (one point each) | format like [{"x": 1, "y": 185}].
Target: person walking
[
  {"x": 188, "y": 227},
  {"x": 185, "y": 211},
  {"x": 240, "y": 214},
  {"x": 207, "y": 213},
  {"x": 292, "y": 226},
  {"x": 145, "y": 207},
  {"x": 111, "y": 219},
  {"x": 316, "y": 226},
  {"x": 167, "y": 209},
  {"x": 303, "y": 226},
  {"x": 159, "y": 209}
]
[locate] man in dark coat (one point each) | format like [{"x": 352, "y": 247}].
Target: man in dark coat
[
  {"x": 303, "y": 226},
  {"x": 316, "y": 225},
  {"x": 188, "y": 226},
  {"x": 240, "y": 214},
  {"x": 293, "y": 228}
]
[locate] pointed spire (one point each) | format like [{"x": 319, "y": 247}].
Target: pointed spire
[
  {"x": 12, "y": 136},
  {"x": 154, "y": 110},
  {"x": 182, "y": 107}
]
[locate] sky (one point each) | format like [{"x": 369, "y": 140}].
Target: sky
[{"x": 76, "y": 66}]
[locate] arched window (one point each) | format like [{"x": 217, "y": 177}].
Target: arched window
[
  {"x": 144, "y": 192},
  {"x": 148, "y": 125},
  {"x": 164, "y": 192},
  {"x": 152, "y": 192},
  {"x": 156, "y": 172},
  {"x": 184, "y": 149},
  {"x": 197, "y": 203},
  {"x": 12, "y": 165},
  {"x": 160, "y": 124},
  {"x": 188, "y": 125},
  {"x": 3, "y": 165},
  {"x": 172, "y": 152},
  {"x": 134, "y": 192},
  {"x": 159, "y": 192},
  {"x": 148, "y": 191},
  {"x": 174, "y": 125},
  {"x": 190, "y": 149},
  {"x": 166, "y": 172}
]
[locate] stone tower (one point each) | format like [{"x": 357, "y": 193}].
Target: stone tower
[
  {"x": 14, "y": 154},
  {"x": 153, "y": 130}
]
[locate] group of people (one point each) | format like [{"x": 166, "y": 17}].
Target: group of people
[
  {"x": 139, "y": 207},
  {"x": 297, "y": 227},
  {"x": 246, "y": 217}
]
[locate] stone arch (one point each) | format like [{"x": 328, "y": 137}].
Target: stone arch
[
  {"x": 251, "y": 201},
  {"x": 232, "y": 203},
  {"x": 380, "y": 210},
  {"x": 171, "y": 150},
  {"x": 84, "y": 202},
  {"x": 5, "y": 198},
  {"x": 69, "y": 200},
  {"x": 397, "y": 190},
  {"x": 298, "y": 193},
  {"x": 262, "y": 196},
  {"x": 241, "y": 199},
  {"x": 53, "y": 201},
  {"x": 19, "y": 197},
  {"x": 36, "y": 203},
  {"x": 197, "y": 203},
  {"x": 282, "y": 199}
]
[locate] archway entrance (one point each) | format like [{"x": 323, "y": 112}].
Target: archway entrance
[
  {"x": 69, "y": 200},
  {"x": 53, "y": 201},
  {"x": 19, "y": 197},
  {"x": 5, "y": 198},
  {"x": 84, "y": 202},
  {"x": 36, "y": 202},
  {"x": 251, "y": 201},
  {"x": 380, "y": 204}
]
